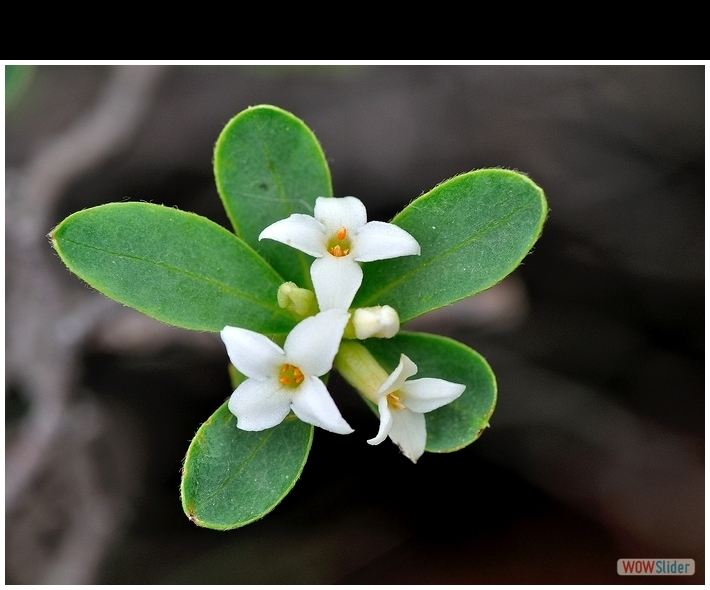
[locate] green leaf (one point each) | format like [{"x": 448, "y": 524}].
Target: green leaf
[
  {"x": 176, "y": 267},
  {"x": 232, "y": 477},
  {"x": 459, "y": 423},
  {"x": 473, "y": 230},
  {"x": 268, "y": 165},
  {"x": 17, "y": 80}
]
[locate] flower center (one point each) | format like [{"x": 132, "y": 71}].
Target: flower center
[
  {"x": 290, "y": 376},
  {"x": 394, "y": 402},
  {"x": 339, "y": 244}
]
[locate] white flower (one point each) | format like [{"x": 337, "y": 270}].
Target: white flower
[
  {"x": 339, "y": 236},
  {"x": 402, "y": 405},
  {"x": 282, "y": 380}
]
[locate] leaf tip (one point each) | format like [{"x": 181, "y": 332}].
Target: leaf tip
[
  {"x": 190, "y": 512},
  {"x": 486, "y": 426}
]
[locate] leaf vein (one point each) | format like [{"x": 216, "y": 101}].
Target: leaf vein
[
  {"x": 241, "y": 467},
  {"x": 426, "y": 264},
  {"x": 285, "y": 201},
  {"x": 218, "y": 285}
]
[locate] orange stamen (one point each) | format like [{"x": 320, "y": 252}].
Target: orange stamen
[
  {"x": 394, "y": 402},
  {"x": 337, "y": 251},
  {"x": 291, "y": 375},
  {"x": 342, "y": 232}
]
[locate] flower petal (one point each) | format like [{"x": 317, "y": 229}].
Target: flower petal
[
  {"x": 405, "y": 369},
  {"x": 299, "y": 231},
  {"x": 313, "y": 343},
  {"x": 425, "y": 395},
  {"x": 408, "y": 432},
  {"x": 252, "y": 353},
  {"x": 335, "y": 281},
  {"x": 385, "y": 422},
  {"x": 259, "y": 405},
  {"x": 334, "y": 213},
  {"x": 379, "y": 241},
  {"x": 312, "y": 403}
]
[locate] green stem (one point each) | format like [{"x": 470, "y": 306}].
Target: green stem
[{"x": 359, "y": 368}]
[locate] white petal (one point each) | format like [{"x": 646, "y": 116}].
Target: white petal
[
  {"x": 334, "y": 213},
  {"x": 335, "y": 281},
  {"x": 379, "y": 241},
  {"x": 408, "y": 432},
  {"x": 252, "y": 353},
  {"x": 405, "y": 369},
  {"x": 313, "y": 344},
  {"x": 299, "y": 231},
  {"x": 312, "y": 403},
  {"x": 425, "y": 395},
  {"x": 259, "y": 405},
  {"x": 385, "y": 422}
]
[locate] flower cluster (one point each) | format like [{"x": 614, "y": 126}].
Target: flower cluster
[{"x": 339, "y": 237}]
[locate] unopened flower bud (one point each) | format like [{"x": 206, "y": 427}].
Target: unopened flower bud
[
  {"x": 300, "y": 301},
  {"x": 378, "y": 322}
]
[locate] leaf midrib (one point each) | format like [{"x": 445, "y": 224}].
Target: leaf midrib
[
  {"x": 390, "y": 286},
  {"x": 285, "y": 202},
  {"x": 218, "y": 285},
  {"x": 241, "y": 467}
]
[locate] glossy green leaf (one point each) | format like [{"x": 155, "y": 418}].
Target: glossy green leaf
[
  {"x": 232, "y": 477},
  {"x": 459, "y": 423},
  {"x": 268, "y": 165},
  {"x": 473, "y": 231},
  {"x": 176, "y": 267}
]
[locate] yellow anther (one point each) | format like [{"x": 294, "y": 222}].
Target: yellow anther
[
  {"x": 394, "y": 402},
  {"x": 291, "y": 375},
  {"x": 337, "y": 251},
  {"x": 339, "y": 243}
]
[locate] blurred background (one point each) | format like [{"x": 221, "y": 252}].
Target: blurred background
[{"x": 596, "y": 449}]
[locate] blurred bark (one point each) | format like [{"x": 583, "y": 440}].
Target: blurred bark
[{"x": 47, "y": 323}]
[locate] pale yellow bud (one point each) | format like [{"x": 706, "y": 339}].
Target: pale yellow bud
[{"x": 300, "y": 301}]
